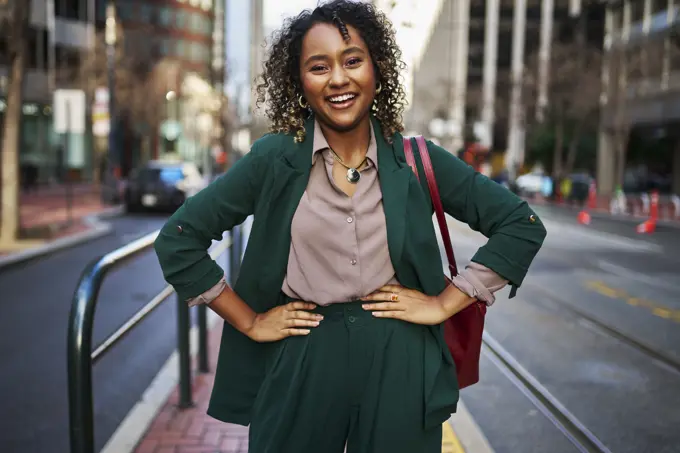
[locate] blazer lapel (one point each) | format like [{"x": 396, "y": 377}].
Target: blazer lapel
[
  {"x": 290, "y": 175},
  {"x": 395, "y": 180}
]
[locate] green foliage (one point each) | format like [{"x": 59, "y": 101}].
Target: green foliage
[{"x": 540, "y": 147}]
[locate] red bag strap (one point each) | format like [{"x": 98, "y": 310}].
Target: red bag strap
[{"x": 434, "y": 194}]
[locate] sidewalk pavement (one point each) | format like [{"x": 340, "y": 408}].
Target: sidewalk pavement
[
  {"x": 192, "y": 431},
  {"x": 48, "y": 206},
  {"x": 44, "y": 219},
  {"x": 667, "y": 215}
]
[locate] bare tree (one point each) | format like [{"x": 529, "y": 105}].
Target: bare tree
[
  {"x": 141, "y": 83},
  {"x": 17, "y": 48},
  {"x": 634, "y": 71},
  {"x": 573, "y": 92}
]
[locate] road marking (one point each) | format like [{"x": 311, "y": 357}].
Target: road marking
[
  {"x": 628, "y": 274},
  {"x": 654, "y": 308},
  {"x": 450, "y": 443}
]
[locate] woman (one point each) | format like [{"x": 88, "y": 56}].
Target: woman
[{"x": 333, "y": 330}]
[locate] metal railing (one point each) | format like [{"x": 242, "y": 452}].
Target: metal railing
[{"x": 81, "y": 356}]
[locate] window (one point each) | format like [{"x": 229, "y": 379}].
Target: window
[
  {"x": 145, "y": 13},
  {"x": 195, "y": 22},
  {"x": 659, "y": 5},
  {"x": 124, "y": 11},
  {"x": 207, "y": 26},
  {"x": 153, "y": 16},
  {"x": 36, "y": 46},
  {"x": 637, "y": 8},
  {"x": 71, "y": 9},
  {"x": 165, "y": 16},
  {"x": 180, "y": 19},
  {"x": 4, "y": 50},
  {"x": 67, "y": 58},
  {"x": 101, "y": 11},
  {"x": 181, "y": 48},
  {"x": 165, "y": 47}
]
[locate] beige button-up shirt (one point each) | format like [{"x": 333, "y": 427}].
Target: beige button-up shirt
[{"x": 339, "y": 249}]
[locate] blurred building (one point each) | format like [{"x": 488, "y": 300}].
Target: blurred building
[
  {"x": 191, "y": 33},
  {"x": 469, "y": 77},
  {"x": 187, "y": 39},
  {"x": 641, "y": 77},
  {"x": 180, "y": 29},
  {"x": 60, "y": 31}
]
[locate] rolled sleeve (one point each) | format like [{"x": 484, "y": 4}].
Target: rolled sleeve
[
  {"x": 183, "y": 242},
  {"x": 480, "y": 282},
  {"x": 210, "y": 295}
]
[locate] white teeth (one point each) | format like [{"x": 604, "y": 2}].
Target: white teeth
[{"x": 343, "y": 98}]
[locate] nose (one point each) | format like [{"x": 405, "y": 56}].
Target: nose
[{"x": 339, "y": 77}]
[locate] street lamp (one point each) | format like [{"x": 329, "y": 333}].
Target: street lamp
[{"x": 112, "y": 168}]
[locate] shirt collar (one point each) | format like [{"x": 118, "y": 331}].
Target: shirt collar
[{"x": 320, "y": 144}]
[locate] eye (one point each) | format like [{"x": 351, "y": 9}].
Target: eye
[
  {"x": 317, "y": 68},
  {"x": 353, "y": 61}
]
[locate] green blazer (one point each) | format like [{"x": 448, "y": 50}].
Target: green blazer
[{"x": 269, "y": 182}]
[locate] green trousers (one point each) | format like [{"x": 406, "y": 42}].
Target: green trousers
[{"x": 355, "y": 380}]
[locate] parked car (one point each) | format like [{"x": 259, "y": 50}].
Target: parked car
[
  {"x": 161, "y": 185},
  {"x": 530, "y": 183}
]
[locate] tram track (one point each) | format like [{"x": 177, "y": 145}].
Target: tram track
[
  {"x": 556, "y": 412},
  {"x": 661, "y": 358}
]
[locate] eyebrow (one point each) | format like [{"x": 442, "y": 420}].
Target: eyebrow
[{"x": 320, "y": 57}]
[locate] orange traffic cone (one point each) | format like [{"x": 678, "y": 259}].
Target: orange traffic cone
[
  {"x": 646, "y": 227},
  {"x": 649, "y": 225},
  {"x": 583, "y": 217}
]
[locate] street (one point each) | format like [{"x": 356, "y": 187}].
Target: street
[
  {"x": 36, "y": 299},
  {"x": 597, "y": 324}
]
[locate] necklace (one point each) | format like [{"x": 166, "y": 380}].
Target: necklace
[{"x": 353, "y": 176}]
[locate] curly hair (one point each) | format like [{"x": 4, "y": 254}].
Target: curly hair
[{"x": 280, "y": 86}]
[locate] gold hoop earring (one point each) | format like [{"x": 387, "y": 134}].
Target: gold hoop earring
[
  {"x": 379, "y": 89},
  {"x": 302, "y": 103}
]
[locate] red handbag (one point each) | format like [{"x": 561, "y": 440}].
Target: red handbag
[{"x": 462, "y": 331}]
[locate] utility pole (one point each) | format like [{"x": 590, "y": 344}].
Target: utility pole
[
  {"x": 515, "y": 155},
  {"x": 256, "y": 58},
  {"x": 490, "y": 67},
  {"x": 109, "y": 194}
]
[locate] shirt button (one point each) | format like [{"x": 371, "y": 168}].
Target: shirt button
[
  {"x": 354, "y": 262},
  {"x": 351, "y": 319},
  {"x": 350, "y": 220}
]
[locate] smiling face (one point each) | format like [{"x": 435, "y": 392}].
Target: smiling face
[{"x": 338, "y": 78}]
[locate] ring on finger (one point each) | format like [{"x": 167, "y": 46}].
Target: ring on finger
[{"x": 394, "y": 297}]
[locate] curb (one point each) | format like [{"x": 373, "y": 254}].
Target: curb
[
  {"x": 605, "y": 215},
  {"x": 98, "y": 228},
  {"x": 136, "y": 423},
  {"x": 468, "y": 431}
]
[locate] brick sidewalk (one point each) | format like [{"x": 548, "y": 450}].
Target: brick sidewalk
[
  {"x": 192, "y": 430},
  {"x": 49, "y": 207},
  {"x": 44, "y": 215}
]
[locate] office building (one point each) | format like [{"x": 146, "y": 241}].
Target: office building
[
  {"x": 59, "y": 32},
  {"x": 187, "y": 37},
  {"x": 643, "y": 98},
  {"x": 470, "y": 76}
]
